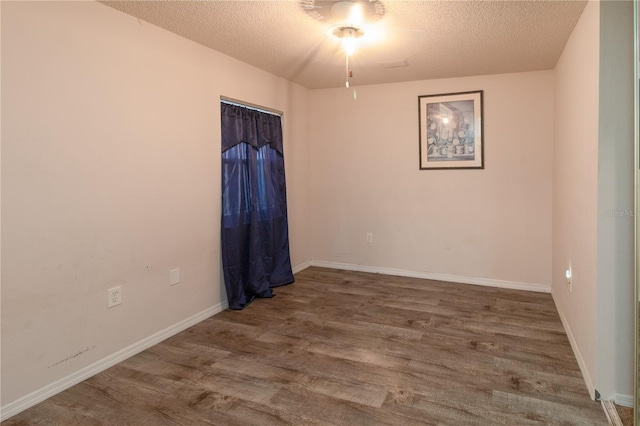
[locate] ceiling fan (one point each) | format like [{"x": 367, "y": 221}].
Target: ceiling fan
[{"x": 359, "y": 23}]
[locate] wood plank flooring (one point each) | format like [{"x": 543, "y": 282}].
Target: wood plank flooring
[
  {"x": 348, "y": 348},
  {"x": 625, "y": 414}
]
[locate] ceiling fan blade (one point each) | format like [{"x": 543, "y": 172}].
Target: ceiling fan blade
[{"x": 393, "y": 44}]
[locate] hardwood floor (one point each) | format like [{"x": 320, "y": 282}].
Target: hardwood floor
[
  {"x": 348, "y": 348},
  {"x": 625, "y": 414}
]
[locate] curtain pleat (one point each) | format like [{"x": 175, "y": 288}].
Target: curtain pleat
[
  {"x": 255, "y": 236},
  {"x": 240, "y": 124}
]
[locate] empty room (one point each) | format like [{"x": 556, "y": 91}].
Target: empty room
[{"x": 318, "y": 212}]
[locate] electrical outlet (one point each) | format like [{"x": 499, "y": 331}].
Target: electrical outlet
[
  {"x": 369, "y": 237},
  {"x": 174, "y": 276},
  {"x": 568, "y": 276},
  {"x": 448, "y": 245},
  {"x": 114, "y": 296}
]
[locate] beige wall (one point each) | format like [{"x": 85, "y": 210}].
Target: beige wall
[
  {"x": 366, "y": 178},
  {"x": 111, "y": 176},
  {"x": 615, "y": 292},
  {"x": 575, "y": 180},
  {"x": 593, "y": 196}
]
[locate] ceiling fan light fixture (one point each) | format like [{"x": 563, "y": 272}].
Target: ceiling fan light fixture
[
  {"x": 348, "y": 35},
  {"x": 349, "y": 45},
  {"x": 346, "y": 19}
]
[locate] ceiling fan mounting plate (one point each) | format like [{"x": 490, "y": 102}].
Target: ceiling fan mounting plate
[{"x": 336, "y": 12}]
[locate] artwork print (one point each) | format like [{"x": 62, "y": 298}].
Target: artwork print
[{"x": 451, "y": 131}]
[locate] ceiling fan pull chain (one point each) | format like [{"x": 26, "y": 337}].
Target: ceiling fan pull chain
[{"x": 347, "y": 72}]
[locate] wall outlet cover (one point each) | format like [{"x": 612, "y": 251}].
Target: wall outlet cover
[
  {"x": 175, "y": 276},
  {"x": 114, "y": 296}
]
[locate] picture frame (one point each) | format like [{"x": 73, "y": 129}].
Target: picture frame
[{"x": 451, "y": 131}]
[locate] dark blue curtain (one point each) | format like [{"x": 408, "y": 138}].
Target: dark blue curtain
[{"x": 255, "y": 235}]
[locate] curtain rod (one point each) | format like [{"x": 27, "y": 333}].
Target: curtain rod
[{"x": 248, "y": 105}]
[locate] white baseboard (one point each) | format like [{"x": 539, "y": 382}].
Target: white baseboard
[
  {"x": 301, "y": 267},
  {"x": 623, "y": 400},
  {"x": 58, "y": 386},
  {"x": 541, "y": 288},
  {"x": 576, "y": 351},
  {"x": 612, "y": 414}
]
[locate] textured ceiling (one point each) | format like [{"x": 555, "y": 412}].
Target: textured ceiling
[{"x": 437, "y": 39}]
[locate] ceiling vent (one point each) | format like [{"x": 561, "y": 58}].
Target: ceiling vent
[{"x": 395, "y": 64}]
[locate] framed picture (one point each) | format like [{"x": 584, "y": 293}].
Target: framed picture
[{"x": 451, "y": 135}]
